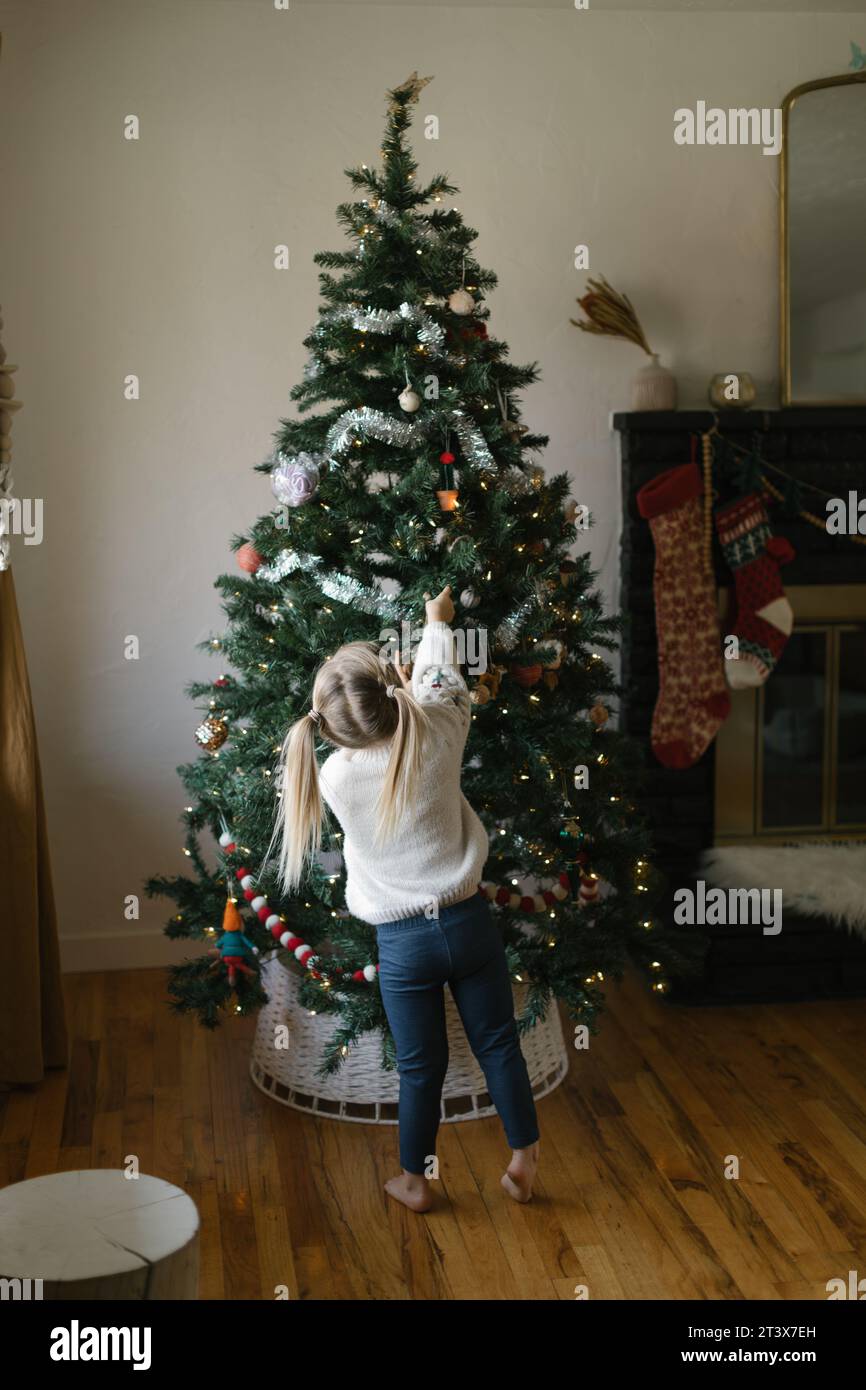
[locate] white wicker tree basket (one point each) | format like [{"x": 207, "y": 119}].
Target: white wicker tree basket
[{"x": 361, "y": 1090}]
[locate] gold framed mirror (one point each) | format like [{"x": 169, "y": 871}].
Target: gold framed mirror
[{"x": 822, "y": 195}]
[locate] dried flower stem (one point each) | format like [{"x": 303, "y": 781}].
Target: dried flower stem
[{"x": 611, "y": 313}]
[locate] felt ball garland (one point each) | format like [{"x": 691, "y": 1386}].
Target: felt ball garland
[
  {"x": 588, "y": 891},
  {"x": 499, "y": 894},
  {"x": 537, "y": 902},
  {"x": 301, "y": 950}
]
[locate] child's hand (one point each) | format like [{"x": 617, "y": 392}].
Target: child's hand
[
  {"x": 405, "y": 674},
  {"x": 441, "y": 608}
]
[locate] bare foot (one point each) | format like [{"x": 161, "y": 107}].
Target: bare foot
[
  {"x": 412, "y": 1189},
  {"x": 520, "y": 1175}
]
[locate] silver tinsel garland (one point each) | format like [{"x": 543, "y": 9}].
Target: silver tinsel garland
[
  {"x": 507, "y": 634},
  {"x": 340, "y": 587},
  {"x": 403, "y": 434},
  {"x": 285, "y": 563},
  {"x": 369, "y": 320},
  {"x": 472, "y": 441},
  {"x": 375, "y": 424},
  {"x": 344, "y": 589},
  {"x": 417, "y": 225}
]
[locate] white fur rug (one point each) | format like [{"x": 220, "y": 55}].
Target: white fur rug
[{"x": 817, "y": 880}]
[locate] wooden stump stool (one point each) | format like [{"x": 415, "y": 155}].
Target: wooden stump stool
[{"x": 98, "y": 1234}]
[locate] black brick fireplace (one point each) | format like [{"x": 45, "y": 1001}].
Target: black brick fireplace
[{"x": 812, "y": 957}]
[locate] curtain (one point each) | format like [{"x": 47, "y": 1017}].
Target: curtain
[{"x": 32, "y": 1022}]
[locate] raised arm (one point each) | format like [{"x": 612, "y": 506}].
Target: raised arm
[{"x": 436, "y": 677}]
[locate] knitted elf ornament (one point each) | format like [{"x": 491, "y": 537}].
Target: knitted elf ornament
[
  {"x": 235, "y": 949},
  {"x": 764, "y": 616},
  {"x": 692, "y": 703}
]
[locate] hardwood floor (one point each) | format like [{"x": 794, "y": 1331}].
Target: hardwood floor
[{"x": 632, "y": 1201}]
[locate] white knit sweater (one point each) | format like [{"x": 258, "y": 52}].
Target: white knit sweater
[{"x": 438, "y": 851}]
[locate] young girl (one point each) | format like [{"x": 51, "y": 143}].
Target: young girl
[{"x": 414, "y": 851}]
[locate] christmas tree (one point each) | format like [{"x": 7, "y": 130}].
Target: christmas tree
[{"x": 408, "y": 468}]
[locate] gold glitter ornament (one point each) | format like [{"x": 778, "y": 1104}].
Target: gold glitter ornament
[{"x": 212, "y": 733}]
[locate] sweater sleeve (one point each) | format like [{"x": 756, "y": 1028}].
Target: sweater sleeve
[{"x": 436, "y": 678}]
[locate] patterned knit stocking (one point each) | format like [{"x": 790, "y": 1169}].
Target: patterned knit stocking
[
  {"x": 764, "y": 615},
  {"x": 693, "y": 702}
]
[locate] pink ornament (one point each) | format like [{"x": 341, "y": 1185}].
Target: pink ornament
[
  {"x": 248, "y": 558},
  {"x": 294, "y": 480}
]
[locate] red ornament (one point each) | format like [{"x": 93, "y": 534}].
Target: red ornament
[
  {"x": 248, "y": 558},
  {"x": 447, "y": 457},
  {"x": 503, "y": 897},
  {"x": 527, "y": 905},
  {"x": 527, "y": 676},
  {"x": 221, "y": 683}
]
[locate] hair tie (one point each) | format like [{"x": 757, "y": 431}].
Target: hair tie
[
  {"x": 315, "y": 716},
  {"x": 390, "y": 691}
]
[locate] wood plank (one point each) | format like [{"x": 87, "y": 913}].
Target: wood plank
[{"x": 631, "y": 1201}]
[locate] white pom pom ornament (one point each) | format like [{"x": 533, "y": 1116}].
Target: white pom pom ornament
[
  {"x": 409, "y": 400},
  {"x": 461, "y": 302}
]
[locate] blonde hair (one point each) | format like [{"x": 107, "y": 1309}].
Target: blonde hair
[{"x": 358, "y": 701}]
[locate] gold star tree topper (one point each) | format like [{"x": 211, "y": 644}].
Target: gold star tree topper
[{"x": 411, "y": 89}]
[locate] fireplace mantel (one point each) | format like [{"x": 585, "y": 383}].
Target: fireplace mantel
[{"x": 825, "y": 447}]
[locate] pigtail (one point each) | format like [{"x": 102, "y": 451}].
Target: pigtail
[
  {"x": 299, "y": 813},
  {"x": 404, "y": 764}
]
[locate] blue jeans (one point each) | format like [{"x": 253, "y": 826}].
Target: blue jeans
[{"x": 417, "y": 956}]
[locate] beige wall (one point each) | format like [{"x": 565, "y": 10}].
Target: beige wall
[{"x": 155, "y": 258}]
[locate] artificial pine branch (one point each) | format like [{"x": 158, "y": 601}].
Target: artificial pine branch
[{"x": 376, "y": 519}]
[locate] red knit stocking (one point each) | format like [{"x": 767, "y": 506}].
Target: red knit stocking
[
  {"x": 693, "y": 702},
  {"x": 764, "y": 616}
]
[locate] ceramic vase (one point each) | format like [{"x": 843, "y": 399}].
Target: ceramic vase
[{"x": 654, "y": 387}]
